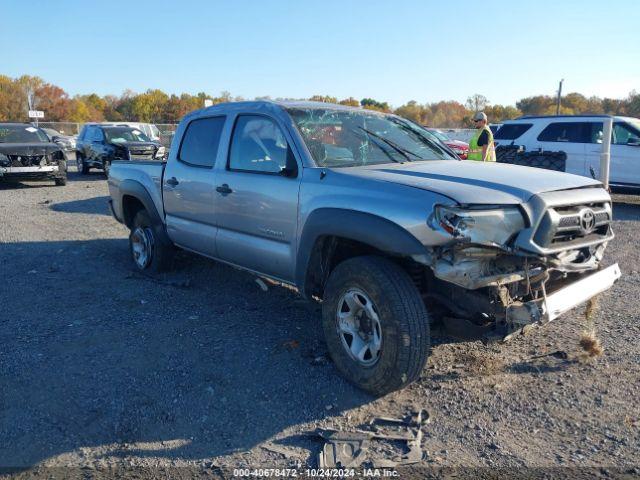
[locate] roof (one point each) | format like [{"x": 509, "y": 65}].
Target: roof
[
  {"x": 595, "y": 115},
  {"x": 16, "y": 124}
]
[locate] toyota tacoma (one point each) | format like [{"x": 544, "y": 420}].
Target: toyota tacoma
[{"x": 369, "y": 214}]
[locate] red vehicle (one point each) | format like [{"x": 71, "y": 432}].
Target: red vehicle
[{"x": 459, "y": 148}]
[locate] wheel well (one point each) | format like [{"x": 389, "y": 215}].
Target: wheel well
[
  {"x": 130, "y": 206},
  {"x": 327, "y": 252}
]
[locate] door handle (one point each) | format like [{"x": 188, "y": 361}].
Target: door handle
[
  {"x": 173, "y": 181},
  {"x": 224, "y": 189}
]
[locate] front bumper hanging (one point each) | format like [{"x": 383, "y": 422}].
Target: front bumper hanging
[{"x": 561, "y": 301}]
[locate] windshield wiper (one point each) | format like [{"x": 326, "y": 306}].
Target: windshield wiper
[
  {"x": 395, "y": 146},
  {"x": 433, "y": 145},
  {"x": 384, "y": 150}
]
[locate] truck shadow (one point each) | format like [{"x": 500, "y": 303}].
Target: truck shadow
[
  {"x": 91, "y": 206},
  {"x": 95, "y": 356}
]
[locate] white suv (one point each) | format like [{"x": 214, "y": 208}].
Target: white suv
[
  {"x": 580, "y": 137},
  {"x": 149, "y": 129}
]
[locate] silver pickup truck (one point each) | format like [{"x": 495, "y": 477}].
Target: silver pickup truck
[{"x": 373, "y": 216}]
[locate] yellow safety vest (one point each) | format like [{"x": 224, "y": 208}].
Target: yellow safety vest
[{"x": 475, "y": 152}]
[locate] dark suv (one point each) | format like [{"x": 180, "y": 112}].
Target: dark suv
[{"x": 99, "y": 145}]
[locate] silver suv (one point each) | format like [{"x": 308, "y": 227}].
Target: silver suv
[{"x": 370, "y": 215}]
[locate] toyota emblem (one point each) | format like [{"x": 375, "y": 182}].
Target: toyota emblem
[{"x": 587, "y": 221}]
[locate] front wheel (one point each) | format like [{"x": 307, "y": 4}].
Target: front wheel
[
  {"x": 60, "y": 181},
  {"x": 81, "y": 165},
  {"x": 106, "y": 166},
  {"x": 148, "y": 252},
  {"x": 375, "y": 324}
]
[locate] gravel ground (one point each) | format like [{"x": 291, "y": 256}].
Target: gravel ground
[{"x": 101, "y": 368}]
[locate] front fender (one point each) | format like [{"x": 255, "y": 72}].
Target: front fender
[{"x": 378, "y": 232}]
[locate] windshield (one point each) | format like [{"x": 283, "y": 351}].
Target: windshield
[
  {"x": 348, "y": 138},
  {"x": 634, "y": 122},
  {"x": 440, "y": 135},
  {"x": 124, "y": 134},
  {"x": 22, "y": 134}
]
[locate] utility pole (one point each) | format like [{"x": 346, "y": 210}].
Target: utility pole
[{"x": 559, "y": 97}]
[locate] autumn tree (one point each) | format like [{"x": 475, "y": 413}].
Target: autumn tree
[{"x": 477, "y": 102}]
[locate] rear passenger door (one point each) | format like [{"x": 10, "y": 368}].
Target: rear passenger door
[
  {"x": 189, "y": 186},
  {"x": 257, "y": 198},
  {"x": 569, "y": 137}
]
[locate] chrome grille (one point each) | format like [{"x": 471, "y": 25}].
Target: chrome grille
[
  {"x": 142, "y": 153},
  {"x": 574, "y": 226}
]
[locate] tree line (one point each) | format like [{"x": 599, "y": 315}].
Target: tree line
[{"x": 18, "y": 95}]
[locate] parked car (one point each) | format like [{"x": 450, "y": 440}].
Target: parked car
[
  {"x": 99, "y": 145},
  {"x": 367, "y": 212},
  {"x": 149, "y": 129},
  {"x": 26, "y": 153},
  {"x": 580, "y": 137},
  {"x": 66, "y": 142},
  {"x": 494, "y": 127},
  {"x": 460, "y": 148}
]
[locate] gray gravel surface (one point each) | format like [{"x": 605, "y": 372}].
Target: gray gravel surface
[{"x": 101, "y": 367}]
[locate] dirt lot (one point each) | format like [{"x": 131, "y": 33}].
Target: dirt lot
[{"x": 100, "y": 367}]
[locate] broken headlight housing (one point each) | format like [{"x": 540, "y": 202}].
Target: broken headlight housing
[
  {"x": 161, "y": 152},
  {"x": 488, "y": 225}
]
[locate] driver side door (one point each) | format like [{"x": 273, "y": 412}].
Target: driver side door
[{"x": 257, "y": 198}]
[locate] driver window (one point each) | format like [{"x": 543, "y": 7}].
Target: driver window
[
  {"x": 98, "y": 135},
  {"x": 258, "y": 145}
]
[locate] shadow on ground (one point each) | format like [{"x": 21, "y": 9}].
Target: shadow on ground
[
  {"x": 91, "y": 206},
  {"x": 93, "y": 356}
]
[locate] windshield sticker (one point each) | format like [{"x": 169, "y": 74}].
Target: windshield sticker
[
  {"x": 31, "y": 129},
  {"x": 137, "y": 132}
]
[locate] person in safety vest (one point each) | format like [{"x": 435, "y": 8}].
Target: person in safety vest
[{"x": 481, "y": 147}]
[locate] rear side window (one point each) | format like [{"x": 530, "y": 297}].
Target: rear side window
[
  {"x": 511, "y": 131},
  {"x": 566, "y": 132},
  {"x": 201, "y": 140}
]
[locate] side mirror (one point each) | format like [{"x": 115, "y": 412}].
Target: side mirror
[{"x": 290, "y": 170}]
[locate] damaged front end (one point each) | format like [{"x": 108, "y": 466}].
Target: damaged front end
[
  {"x": 32, "y": 164},
  {"x": 483, "y": 275}
]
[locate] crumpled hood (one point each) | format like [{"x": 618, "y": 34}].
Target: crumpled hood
[
  {"x": 471, "y": 182},
  {"x": 28, "y": 148}
]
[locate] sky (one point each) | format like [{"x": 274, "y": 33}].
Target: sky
[{"x": 392, "y": 50}]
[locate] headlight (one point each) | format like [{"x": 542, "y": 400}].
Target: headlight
[
  {"x": 4, "y": 160},
  {"x": 160, "y": 153},
  {"x": 483, "y": 225}
]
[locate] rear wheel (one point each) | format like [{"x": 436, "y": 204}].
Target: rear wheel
[
  {"x": 150, "y": 254},
  {"x": 375, "y": 324},
  {"x": 61, "y": 181}
]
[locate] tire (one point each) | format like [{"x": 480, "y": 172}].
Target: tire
[
  {"x": 402, "y": 320},
  {"x": 150, "y": 254},
  {"x": 61, "y": 181},
  {"x": 82, "y": 167}
]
